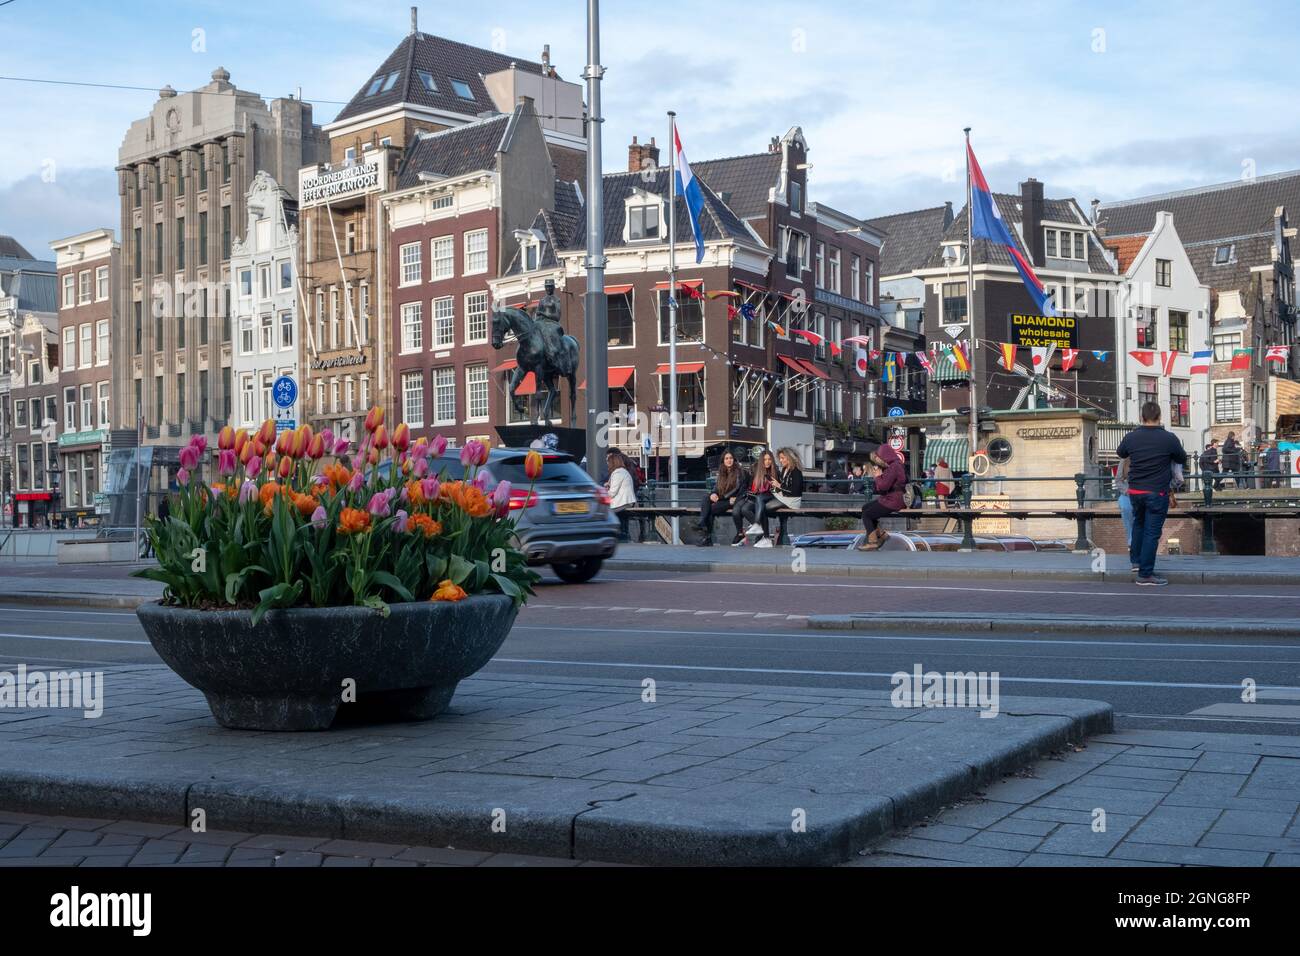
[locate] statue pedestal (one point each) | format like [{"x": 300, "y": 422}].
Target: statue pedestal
[{"x": 572, "y": 441}]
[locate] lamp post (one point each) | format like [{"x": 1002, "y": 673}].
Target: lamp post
[
  {"x": 55, "y": 473},
  {"x": 596, "y": 319}
]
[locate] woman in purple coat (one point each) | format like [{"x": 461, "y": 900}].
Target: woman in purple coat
[{"x": 890, "y": 478}]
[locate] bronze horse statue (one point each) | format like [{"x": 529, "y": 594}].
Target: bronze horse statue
[{"x": 545, "y": 351}]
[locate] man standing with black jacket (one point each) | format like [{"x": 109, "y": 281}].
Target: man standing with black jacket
[{"x": 1152, "y": 453}]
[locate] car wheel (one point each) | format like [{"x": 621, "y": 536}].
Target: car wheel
[{"x": 577, "y": 572}]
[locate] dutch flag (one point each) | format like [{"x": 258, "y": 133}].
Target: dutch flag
[{"x": 689, "y": 190}]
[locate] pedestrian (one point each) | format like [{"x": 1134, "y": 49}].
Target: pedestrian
[
  {"x": 1272, "y": 465},
  {"x": 855, "y": 480},
  {"x": 728, "y": 485},
  {"x": 888, "y": 482},
  {"x": 1152, "y": 452},
  {"x": 1210, "y": 465},
  {"x": 944, "y": 483},
  {"x": 1231, "y": 455},
  {"x": 622, "y": 490},
  {"x": 757, "y": 499},
  {"x": 1125, "y": 503}
]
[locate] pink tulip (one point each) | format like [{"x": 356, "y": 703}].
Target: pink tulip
[
  {"x": 429, "y": 487},
  {"x": 341, "y": 446},
  {"x": 189, "y": 457},
  {"x": 182, "y": 477},
  {"x": 357, "y": 480},
  {"x": 247, "y": 492},
  {"x": 438, "y": 446},
  {"x": 399, "y": 524},
  {"x": 254, "y": 466},
  {"x": 199, "y": 443},
  {"x": 318, "y": 518},
  {"x": 421, "y": 467},
  {"x": 379, "y": 504},
  {"x": 501, "y": 498},
  {"x": 483, "y": 480},
  {"x": 227, "y": 462},
  {"x": 474, "y": 453}
]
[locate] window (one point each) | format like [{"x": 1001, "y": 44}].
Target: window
[
  {"x": 268, "y": 333},
  {"x": 1078, "y": 246},
  {"x": 413, "y": 398},
  {"x": 245, "y": 283},
  {"x": 427, "y": 81},
  {"x": 1177, "y": 331},
  {"x": 622, "y": 328},
  {"x": 690, "y": 320},
  {"x": 819, "y": 327},
  {"x": 101, "y": 283},
  {"x": 461, "y": 88},
  {"x": 180, "y": 242},
  {"x": 444, "y": 321},
  {"x": 203, "y": 238},
  {"x": 954, "y": 303},
  {"x": 349, "y": 396},
  {"x": 247, "y": 408},
  {"x": 834, "y": 264},
  {"x": 69, "y": 348},
  {"x": 87, "y": 407},
  {"x": 444, "y": 391},
  {"x": 286, "y": 275},
  {"x": 1224, "y": 344},
  {"x": 24, "y": 470},
  {"x": 476, "y": 251},
  {"x": 1164, "y": 269},
  {"x": 1223, "y": 255},
  {"x": 476, "y": 391},
  {"x": 1063, "y": 244},
  {"x": 821, "y": 265},
  {"x": 225, "y": 232},
  {"x": 69, "y": 290},
  {"x": 1180, "y": 403},
  {"x": 20, "y": 413},
  {"x": 33, "y": 374},
  {"x": 1146, "y": 327},
  {"x": 796, "y": 196},
  {"x": 101, "y": 342},
  {"x": 69, "y": 410},
  {"x": 476, "y": 318},
  {"x": 286, "y": 330},
  {"x": 320, "y": 319},
  {"x": 139, "y": 327},
  {"x": 855, "y": 279},
  {"x": 225, "y": 164},
  {"x": 85, "y": 333},
  {"x": 643, "y": 222},
  {"x": 264, "y": 282},
  {"x": 350, "y": 237},
  {"x": 1051, "y": 243},
  {"x": 203, "y": 170},
  {"x": 104, "y": 391},
  {"x": 412, "y": 327},
  {"x": 1148, "y": 389},
  {"x": 443, "y": 251},
  {"x": 1227, "y": 402},
  {"x": 869, "y": 284},
  {"x": 38, "y": 465},
  {"x": 365, "y": 391},
  {"x": 138, "y": 249},
  {"x": 158, "y": 399},
  {"x": 83, "y": 287},
  {"x": 794, "y": 250},
  {"x": 690, "y": 393},
  {"x": 157, "y": 248},
  {"x": 410, "y": 258},
  {"x": 246, "y": 335},
  {"x": 363, "y": 296},
  {"x": 203, "y": 398},
  {"x": 334, "y": 318}
]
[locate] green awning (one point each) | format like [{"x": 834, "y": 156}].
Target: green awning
[
  {"x": 946, "y": 370},
  {"x": 951, "y": 450}
]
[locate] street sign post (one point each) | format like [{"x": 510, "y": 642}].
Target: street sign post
[
  {"x": 895, "y": 412},
  {"x": 284, "y": 392}
]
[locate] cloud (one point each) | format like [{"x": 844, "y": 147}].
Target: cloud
[{"x": 36, "y": 212}]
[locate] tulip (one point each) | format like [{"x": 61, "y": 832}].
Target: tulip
[
  {"x": 356, "y": 481},
  {"x": 501, "y": 498},
  {"x": 421, "y": 467},
  {"x": 226, "y": 439},
  {"x": 247, "y": 492},
  {"x": 399, "y": 523},
  {"x": 226, "y": 462},
  {"x": 269, "y": 462},
  {"x": 379, "y": 504},
  {"x": 241, "y": 442},
  {"x": 266, "y": 434},
  {"x": 402, "y": 437},
  {"x": 318, "y": 518},
  {"x": 182, "y": 476},
  {"x": 316, "y": 449},
  {"x": 245, "y": 453},
  {"x": 341, "y": 446},
  {"x": 474, "y": 453},
  {"x": 286, "y": 466},
  {"x": 284, "y": 444},
  {"x": 199, "y": 444},
  {"x": 259, "y": 446},
  {"x": 533, "y": 465},
  {"x": 374, "y": 418},
  {"x": 421, "y": 448},
  {"x": 483, "y": 480},
  {"x": 429, "y": 487},
  {"x": 438, "y": 446},
  {"x": 381, "y": 438},
  {"x": 253, "y": 467},
  {"x": 189, "y": 457}
]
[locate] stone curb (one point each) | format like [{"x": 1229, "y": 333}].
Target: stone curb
[
  {"x": 746, "y": 825},
  {"x": 1059, "y": 624},
  {"x": 90, "y": 600}
]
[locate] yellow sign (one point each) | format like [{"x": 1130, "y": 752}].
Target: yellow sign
[
  {"x": 995, "y": 524},
  {"x": 1043, "y": 330}
]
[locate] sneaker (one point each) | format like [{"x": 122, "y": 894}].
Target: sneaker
[
  {"x": 705, "y": 543},
  {"x": 739, "y": 542},
  {"x": 1151, "y": 582},
  {"x": 1135, "y": 569},
  {"x": 763, "y": 543},
  {"x": 754, "y": 529}
]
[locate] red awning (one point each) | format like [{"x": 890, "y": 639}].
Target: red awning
[
  {"x": 683, "y": 368},
  {"x": 618, "y": 376},
  {"x": 793, "y": 363},
  {"x": 507, "y": 365},
  {"x": 751, "y": 287},
  {"x": 528, "y": 386},
  {"x": 617, "y": 289},
  {"x": 691, "y": 283},
  {"x": 813, "y": 369}
]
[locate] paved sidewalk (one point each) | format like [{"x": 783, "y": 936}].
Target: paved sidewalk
[
  {"x": 583, "y": 769},
  {"x": 28, "y": 839},
  {"x": 1169, "y": 799}
]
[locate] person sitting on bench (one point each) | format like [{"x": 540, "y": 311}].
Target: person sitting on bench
[
  {"x": 727, "y": 487},
  {"x": 757, "y": 501},
  {"x": 890, "y": 479}
]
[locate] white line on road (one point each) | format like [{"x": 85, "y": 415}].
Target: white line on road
[
  {"x": 23, "y": 609},
  {"x": 74, "y": 640},
  {"x": 1293, "y": 596},
  {"x": 642, "y": 665}
]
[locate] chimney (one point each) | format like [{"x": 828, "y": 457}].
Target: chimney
[
  {"x": 1096, "y": 203},
  {"x": 642, "y": 155},
  {"x": 529, "y": 107},
  {"x": 775, "y": 145},
  {"x": 415, "y": 20},
  {"x": 1031, "y": 219},
  {"x": 547, "y": 70}
]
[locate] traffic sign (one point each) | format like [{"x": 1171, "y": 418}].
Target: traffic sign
[
  {"x": 645, "y": 444},
  {"x": 896, "y": 443},
  {"x": 895, "y": 411},
  {"x": 285, "y": 425},
  {"x": 284, "y": 391}
]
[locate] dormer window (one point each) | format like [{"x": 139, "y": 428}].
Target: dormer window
[
  {"x": 460, "y": 88},
  {"x": 1064, "y": 244},
  {"x": 427, "y": 81},
  {"x": 643, "y": 222},
  {"x": 532, "y": 253},
  {"x": 796, "y": 196},
  {"x": 382, "y": 83},
  {"x": 1223, "y": 255}
]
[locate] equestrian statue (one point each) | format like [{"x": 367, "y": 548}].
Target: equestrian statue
[{"x": 543, "y": 349}]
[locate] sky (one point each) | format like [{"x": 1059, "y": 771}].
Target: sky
[{"x": 1100, "y": 99}]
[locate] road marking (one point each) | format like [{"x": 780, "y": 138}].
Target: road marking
[
  {"x": 642, "y": 665},
  {"x": 23, "y": 609},
  {"x": 1226, "y": 720},
  {"x": 953, "y": 587},
  {"x": 1288, "y": 711},
  {"x": 74, "y": 640}
]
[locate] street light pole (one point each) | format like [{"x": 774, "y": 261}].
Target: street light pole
[
  {"x": 672, "y": 317},
  {"x": 973, "y": 418},
  {"x": 596, "y": 321}
]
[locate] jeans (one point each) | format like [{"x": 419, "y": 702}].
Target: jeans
[
  {"x": 754, "y": 510},
  {"x": 1126, "y": 514},
  {"x": 1149, "y": 513},
  {"x": 872, "y": 512},
  {"x": 711, "y": 509}
]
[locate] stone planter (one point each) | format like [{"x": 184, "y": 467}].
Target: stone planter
[{"x": 288, "y": 672}]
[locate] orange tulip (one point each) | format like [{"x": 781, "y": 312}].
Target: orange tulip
[
  {"x": 447, "y": 591},
  {"x": 284, "y": 444},
  {"x": 267, "y": 432},
  {"x": 533, "y": 465},
  {"x": 373, "y": 456},
  {"x": 380, "y": 440},
  {"x": 353, "y": 520},
  {"x": 226, "y": 439},
  {"x": 286, "y": 466},
  {"x": 305, "y": 504},
  {"x": 422, "y": 523},
  {"x": 374, "y": 418},
  {"x": 241, "y": 442},
  {"x": 402, "y": 437},
  {"x": 316, "y": 449},
  {"x": 247, "y": 452}
]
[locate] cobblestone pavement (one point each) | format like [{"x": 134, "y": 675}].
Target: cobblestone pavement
[
  {"x": 1169, "y": 799},
  {"x": 30, "y": 840}
]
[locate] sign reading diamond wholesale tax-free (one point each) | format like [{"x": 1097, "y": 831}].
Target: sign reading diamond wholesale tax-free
[
  {"x": 1059, "y": 330},
  {"x": 321, "y": 184}
]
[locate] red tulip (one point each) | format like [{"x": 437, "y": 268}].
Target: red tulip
[
  {"x": 267, "y": 432},
  {"x": 286, "y": 466},
  {"x": 381, "y": 438},
  {"x": 374, "y": 418},
  {"x": 226, "y": 439},
  {"x": 402, "y": 437}
]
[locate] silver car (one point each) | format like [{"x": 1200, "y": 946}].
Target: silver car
[{"x": 564, "y": 521}]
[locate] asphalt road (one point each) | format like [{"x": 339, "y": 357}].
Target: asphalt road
[{"x": 732, "y": 629}]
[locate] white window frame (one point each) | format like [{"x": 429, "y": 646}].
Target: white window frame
[
  {"x": 833, "y": 267},
  {"x": 101, "y": 283},
  {"x": 1241, "y": 398},
  {"x": 85, "y": 345},
  {"x": 85, "y": 292},
  {"x": 412, "y": 389},
  {"x": 266, "y": 333},
  {"x": 69, "y": 290},
  {"x": 104, "y": 392},
  {"x": 442, "y": 326},
  {"x": 69, "y": 409},
  {"x": 470, "y": 314},
  {"x": 442, "y": 256},
  {"x": 476, "y": 382},
  {"x": 101, "y": 342},
  {"x": 288, "y": 334},
  {"x": 444, "y": 378},
  {"x": 471, "y": 240},
  {"x": 69, "y": 348},
  {"x": 410, "y": 268},
  {"x": 411, "y": 327}
]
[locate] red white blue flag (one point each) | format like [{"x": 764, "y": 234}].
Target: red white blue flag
[
  {"x": 986, "y": 223},
  {"x": 688, "y": 187}
]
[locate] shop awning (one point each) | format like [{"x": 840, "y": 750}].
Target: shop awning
[
  {"x": 751, "y": 287},
  {"x": 946, "y": 370},
  {"x": 683, "y": 368},
  {"x": 952, "y": 450},
  {"x": 690, "y": 283},
  {"x": 617, "y": 289},
  {"x": 507, "y": 365},
  {"x": 794, "y": 364},
  {"x": 618, "y": 377},
  {"x": 812, "y": 369},
  {"x": 528, "y": 386}
]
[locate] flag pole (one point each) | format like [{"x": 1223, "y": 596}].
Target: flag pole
[
  {"x": 672, "y": 316},
  {"x": 973, "y": 417},
  {"x": 596, "y": 317}
]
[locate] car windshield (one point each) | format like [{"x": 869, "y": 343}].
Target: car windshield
[{"x": 555, "y": 468}]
